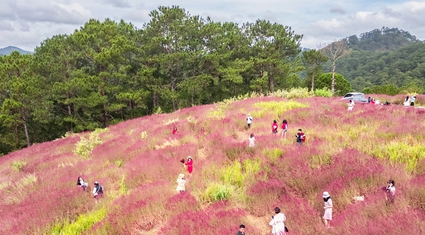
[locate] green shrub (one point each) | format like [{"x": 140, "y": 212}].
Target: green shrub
[
  {"x": 83, "y": 223},
  {"x": 144, "y": 135},
  {"x": 216, "y": 192},
  {"x": 18, "y": 165},
  {"x": 276, "y": 108},
  {"x": 273, "y": 154},
  {"x": 324, "y": 92},
  {"x": 123, "y": 186},
  {"x": 233, "y": 174},
  {"x": 319, "y": 160},
  {"x": 84, "y": 147},
  {"x": 119, "y": 163},
  {"x": 293, "y": 93}
]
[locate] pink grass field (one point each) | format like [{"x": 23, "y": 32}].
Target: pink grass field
[{"x": 346, "y": 153}]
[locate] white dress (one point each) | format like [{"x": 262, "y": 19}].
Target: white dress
[
  {"x": 180, "y": 185},
  {"x": 328, "y": 210},
  {"x": 278, "y": 224},
  {"x": 251, "y": 141}
]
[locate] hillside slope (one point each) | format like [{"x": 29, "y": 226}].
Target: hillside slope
[{"x": 346, "y": 153}]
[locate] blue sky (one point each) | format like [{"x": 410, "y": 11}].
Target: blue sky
[{"x": 26, "y": 23}]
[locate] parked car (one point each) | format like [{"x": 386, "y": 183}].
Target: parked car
[{"x": 355, "y": 96}]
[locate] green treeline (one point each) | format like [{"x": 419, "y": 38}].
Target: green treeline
[{"x": 107, "y": 72}]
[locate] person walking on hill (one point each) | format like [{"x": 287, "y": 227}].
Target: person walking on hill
[
  {"x": 189, "y": 165},
  {"x": 249, "y": 120},
  {"x": 251, "y": 140},
  {"x": 82, "y": 183},
  {"x": 412, "y": 100},
  {"x": 274, "y": 127},
  {"x": 390, "y": 191},
  {"x": 278, "y": 222},
  {"x": 327, "y": 217},
  {"x": 284, "y": 128},
  {"x": 181, "y": 181},
  {"x": 300, "y": 137},
  {"x": 241, "y": 230},
  {"x": 351, "y": 105},
  {"x": 97, "y": 190},
  {"x": 174, "y": 130}
]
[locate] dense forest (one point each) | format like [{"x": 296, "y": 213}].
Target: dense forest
[
  {"x": 387, "y": 57},
  {"x": 107, "y": 72}
]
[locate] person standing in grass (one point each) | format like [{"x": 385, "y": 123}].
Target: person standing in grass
[
  {"x": 181, "y": 181},
  {"x": 274, "y": 127},
  {"x": 241, "y": 230},
  {"x": 351, "y": 105},
  {"x": 300, "y": 137},
  {"x": 406, "y": 101},
  {"x": 249, "y": 120},
  {"x": 278, "y": 222},
  {"x": 284, "y": 128},
  {"x": 174, "y": 130},
  {"x": 327, "y": 217},
  {"x": 189, "y": 165},
  {"x": 97, "y": 190},
  {"x": 412, "y": 100},
  {"x": 390, "y": 191},
  {"x": 251, "y": 140}
]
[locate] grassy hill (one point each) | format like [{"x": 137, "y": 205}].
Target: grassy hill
[{"x": 346, "y": 153}]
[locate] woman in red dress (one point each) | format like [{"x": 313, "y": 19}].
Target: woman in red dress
[{"x": 189, "y": 165}]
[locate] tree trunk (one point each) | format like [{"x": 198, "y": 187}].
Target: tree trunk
[
  {"x": 26, "y": 128},
  {"x": 70, "y": 114},
  {"x": 333, "y": 77},
  {"x": 312, "y": 82}
]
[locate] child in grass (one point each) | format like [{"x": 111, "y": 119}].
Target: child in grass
[
  {"x": 327, "y": 217},
  {"x": 181, "y": 181},
  {"x": 390, "y": 191},
  {"x": 251, "y": 140},
  {"x": 284, "y": 127},
  {"x": 274, "y": 127}
]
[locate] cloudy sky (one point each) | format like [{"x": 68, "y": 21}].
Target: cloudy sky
[{"x": 26, "y": 23}]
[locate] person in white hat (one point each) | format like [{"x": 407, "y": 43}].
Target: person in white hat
[
  {"x": 181, "y": 181},
  {"x": 249, "y": 120},
  {"x": 327, "y": 217}
]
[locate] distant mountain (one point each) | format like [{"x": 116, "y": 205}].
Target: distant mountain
[{"x": 10, "y": 49}]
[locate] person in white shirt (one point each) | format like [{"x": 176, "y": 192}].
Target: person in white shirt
[
  {"x": 278, "y": 222},
  {"x": 351, "y": 105},
  {"x": 181, "y": 181},
  {"x": 251, "y": 140},
  {"x": 327, "y": 217}
]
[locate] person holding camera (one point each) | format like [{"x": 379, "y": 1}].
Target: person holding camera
[{"x": 278, "y": 222}]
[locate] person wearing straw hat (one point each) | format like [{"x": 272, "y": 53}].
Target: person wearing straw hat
[
  {"x": 181, "y": 181},
  {"x": 327, "y": 217},
  {"x": 189, "y": 164}
]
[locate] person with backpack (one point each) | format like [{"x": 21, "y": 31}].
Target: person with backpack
[
  {"x": 274, "y": 127},
  {"x": 97, "y": 190},
  {"x": 284, "y": 128},
  {"x": 300, "y": 137},
  {"x": 249, "y": 120},
  {"x": 82, "y": 183}
]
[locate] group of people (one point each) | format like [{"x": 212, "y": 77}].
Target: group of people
[
  {"x": 300, "y": 136},
  {"x": 278, "y": 219},
  {"x": 181, "y": 180},
  {"x": 97, "y": 190}
]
